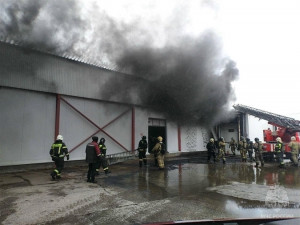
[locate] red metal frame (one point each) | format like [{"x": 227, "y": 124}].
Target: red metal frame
[
  {"x": 179, "y": 138},
  {"x": 57, "y": 120},
  {"x": 99, "y": 131},
  {"x": 57, "y": 116}
]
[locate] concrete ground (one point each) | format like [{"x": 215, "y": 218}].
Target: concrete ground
[{"x": 188, "y": 189}]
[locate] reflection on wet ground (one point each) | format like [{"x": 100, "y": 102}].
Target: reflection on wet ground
[
  {"x": 188, "y": 189},
  {"x": 240, "y": 189}
]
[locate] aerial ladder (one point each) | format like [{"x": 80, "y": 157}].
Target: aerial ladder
[{"x": 285, "y": 128}]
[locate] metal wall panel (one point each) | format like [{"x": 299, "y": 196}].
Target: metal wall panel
[
  {"x": 34, "y": 70},
  {"x": 75, "y": 128},
  {"x": 193, "y": 138},
  {"x": 27, "y": 126}
]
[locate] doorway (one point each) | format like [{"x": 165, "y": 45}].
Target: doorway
[{"x": 156, "y": 127}]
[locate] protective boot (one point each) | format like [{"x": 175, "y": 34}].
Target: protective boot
[{"x": 53, "y": 175}]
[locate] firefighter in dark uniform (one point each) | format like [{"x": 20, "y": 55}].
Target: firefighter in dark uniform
[
  {"x": 93, "y": 153},
  {"x": 211, "y": 150},
  {"x": 58, "y": 152},
  {"x": 258, "y": 148},
  {"x": 102, "y": 160},
  {"x": 279, "y": 150},
  {"x": 143, "y": 145}
]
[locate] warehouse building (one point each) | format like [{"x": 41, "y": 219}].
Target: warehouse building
[{"x": 43, "y": 95}]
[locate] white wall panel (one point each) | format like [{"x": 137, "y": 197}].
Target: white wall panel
[
  {"x": 228, "y": 131},
  {"x": 28, "y": 122},
  {"x": 27, "y": 126},
  {"x": 172, "y": 136},
  {"x": 76, "y": 128},
  {"x": 141, "y": 124},
  {"x": 193, "y": 138}
]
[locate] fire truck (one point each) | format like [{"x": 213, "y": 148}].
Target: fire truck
[{"x": 284, "y": 127}]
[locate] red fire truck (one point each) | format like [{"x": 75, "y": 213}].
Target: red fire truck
[{"x": 285, "y": 128}]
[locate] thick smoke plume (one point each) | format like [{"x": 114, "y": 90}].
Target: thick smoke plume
[
  {"x": 189, "y": 81},
  {"x": 187, "y": 78},
  {"x": 52, "y": 26}
]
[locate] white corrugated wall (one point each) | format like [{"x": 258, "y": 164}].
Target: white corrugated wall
[{"x": 27, "y": 126}]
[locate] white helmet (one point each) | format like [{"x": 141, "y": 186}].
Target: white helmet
[
  {"x": 60, "y": 137},
  {"x": 293, "y": 138},
  {"x": 211, "y": 140},
  {"x": 279, "y": 140}
]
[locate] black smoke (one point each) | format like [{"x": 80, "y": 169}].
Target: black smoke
[
  {"x": 191, "y": 82},
  {"x": 186, "y": 78},
  {"x": 53, "y": 26}
]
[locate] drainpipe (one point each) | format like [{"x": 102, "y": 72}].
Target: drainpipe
[{"x": 57, "y": 116}]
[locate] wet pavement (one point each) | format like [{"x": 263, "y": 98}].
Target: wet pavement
[{"x": 188, "y": 189}]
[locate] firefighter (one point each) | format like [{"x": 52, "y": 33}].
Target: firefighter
[
  {"x": 58, "y": 152},
  {"x": 242, "y": 147},
  {"x": 279, "y": 150},
  {"x": 143, "y": 145},
  {"x": 211, "y": 150},
  {"x": 222, "y": 146},
  {"x": 160, "y": 150},
  {"x": 93, "y": 154},
  {"x": 232, "y": 145},
  {"x": 250, "y": 149},
  {"x": 102, "y": 159},
  {"x": 258, "y": 148},
  {"x": 294, "y": 151}
]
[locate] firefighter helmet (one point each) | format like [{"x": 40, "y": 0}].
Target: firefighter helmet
[
  {"x": 95, "y": 138},
  {"x": 144, "y": 137},
  {"x": 159, "y": 138},
  {"x": 102, "y": 140},
  {"x": 256, "y": 139},
  {"x": 60, "y": 137},
  {"x": 278, "y": 139},
  {"x": 211, "y": 140},
  {"x": 293, "y": 138}
]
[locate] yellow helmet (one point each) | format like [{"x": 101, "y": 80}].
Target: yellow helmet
[
  {"x": 159, "y": 138},
  {"x": 211, "y": 140}
]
